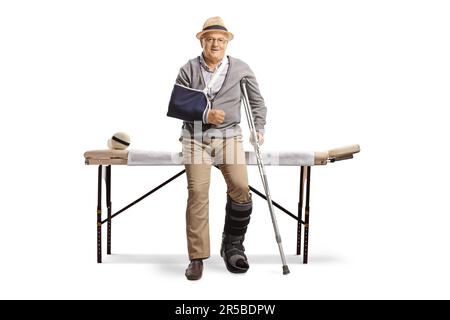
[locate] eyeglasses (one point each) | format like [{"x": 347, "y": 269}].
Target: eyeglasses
[{"x": 220, "y": 41}]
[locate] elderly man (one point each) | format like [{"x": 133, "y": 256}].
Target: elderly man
[{"x": 217, "y": 140}]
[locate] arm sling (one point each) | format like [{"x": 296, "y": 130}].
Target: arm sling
[{"x": 192, "y": 104}]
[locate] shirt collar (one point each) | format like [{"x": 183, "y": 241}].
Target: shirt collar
[{"x": 205, "y": 66}]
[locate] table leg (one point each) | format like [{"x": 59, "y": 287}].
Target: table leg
[
  {"x": 108, "y": 204},
  {"x": 306, "y": 236},
  {"x": 99, "y": 215}
]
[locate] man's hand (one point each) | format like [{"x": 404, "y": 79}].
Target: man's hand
[
  {"x": 216, "y": 116},
  {"x": 259, "y": 136}
]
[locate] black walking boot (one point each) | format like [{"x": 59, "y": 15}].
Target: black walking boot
[{"x": 232, "y": 249}]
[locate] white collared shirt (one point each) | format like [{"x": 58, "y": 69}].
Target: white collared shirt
[{"x": 207, "y": 75}]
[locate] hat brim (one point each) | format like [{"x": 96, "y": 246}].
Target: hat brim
[{"x": 229, "y": 35}]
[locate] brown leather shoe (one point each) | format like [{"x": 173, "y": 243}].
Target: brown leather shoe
[{"x": 194, "y": 270}]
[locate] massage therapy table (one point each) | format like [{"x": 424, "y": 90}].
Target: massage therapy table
[{"x": 304, "y": 160}]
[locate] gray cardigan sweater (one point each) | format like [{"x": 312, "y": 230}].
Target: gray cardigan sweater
[{"x": 227, "y": 99}]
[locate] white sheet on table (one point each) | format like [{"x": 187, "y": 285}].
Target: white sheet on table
[{"x": 272, "y": 158}]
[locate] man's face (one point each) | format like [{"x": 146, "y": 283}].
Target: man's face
[{"x": 214, "y": 46}]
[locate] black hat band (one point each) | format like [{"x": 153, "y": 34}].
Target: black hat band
[
  {"x": 216, "y": 27},
  {"x": 120, "y": 141}
]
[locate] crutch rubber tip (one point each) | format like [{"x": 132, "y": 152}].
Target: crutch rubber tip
[{"x": 285, "y": 269}]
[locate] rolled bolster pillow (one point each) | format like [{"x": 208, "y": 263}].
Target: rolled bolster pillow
[{"x": 343, "y": 152}]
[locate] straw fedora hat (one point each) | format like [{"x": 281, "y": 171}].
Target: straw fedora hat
[
  {"x": 119, "y": 141},
  {"x": 215, "y": 24}
]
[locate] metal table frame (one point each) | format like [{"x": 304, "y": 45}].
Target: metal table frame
[{"x": 302, "y": 216}]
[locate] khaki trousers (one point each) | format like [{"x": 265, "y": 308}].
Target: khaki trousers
[{"x": 199, "y": 156}]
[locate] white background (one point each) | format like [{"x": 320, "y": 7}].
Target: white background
[{"x": 332, "y": 73}]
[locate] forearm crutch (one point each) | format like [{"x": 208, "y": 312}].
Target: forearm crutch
[{"x": 262, "y": 172}]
